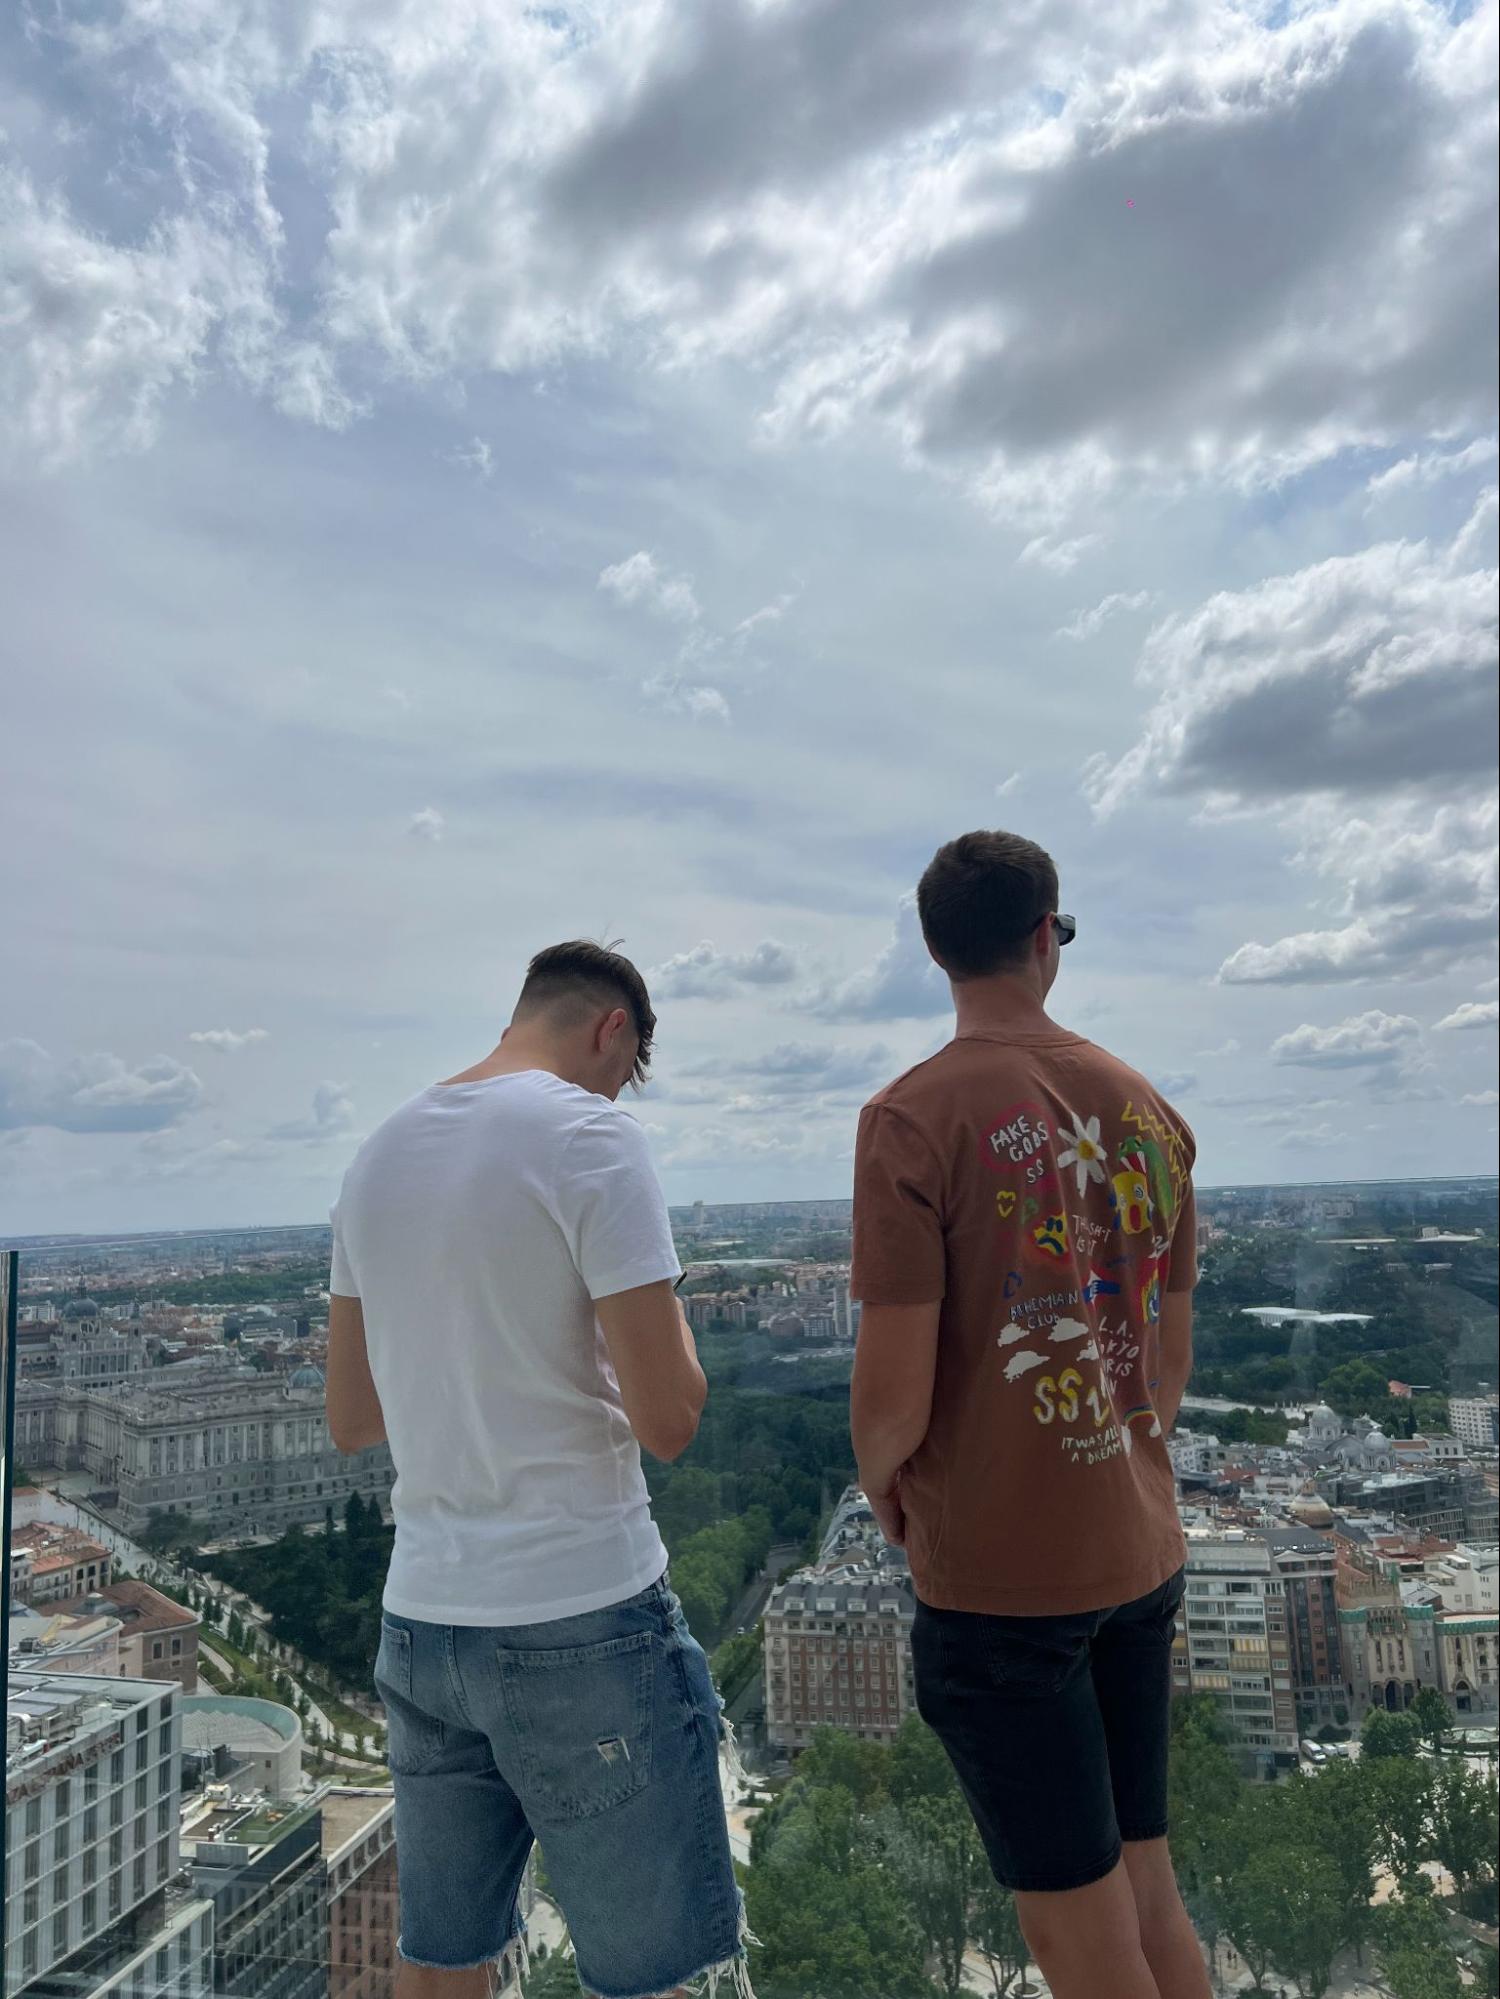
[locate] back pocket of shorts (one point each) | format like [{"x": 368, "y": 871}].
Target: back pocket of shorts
[
  {"x": 582, "y": 1721},
  {"x": 413, "y": 1737}
]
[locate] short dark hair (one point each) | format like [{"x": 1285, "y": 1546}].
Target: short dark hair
[
  {"x": 579, "y": 975},
  {"x": 979, "y": 900}
]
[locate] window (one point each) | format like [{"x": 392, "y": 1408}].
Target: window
[
  {"x": 60, "y": 1932},
  {"x": 90, "y": 1913},
  {"x": 64, "y": 1799},
  {"x": 33, "y": 1860},
  {"x": 31, "y": 1907}
]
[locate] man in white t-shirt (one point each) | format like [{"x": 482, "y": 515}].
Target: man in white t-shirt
[{"x": 503, "y": 1313}]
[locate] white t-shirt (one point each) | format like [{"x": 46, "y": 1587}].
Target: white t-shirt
[{"x": 476, "y": 1226}]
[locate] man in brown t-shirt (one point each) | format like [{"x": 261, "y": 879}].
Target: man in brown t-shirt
[{"x": 1024, "y": 1241}]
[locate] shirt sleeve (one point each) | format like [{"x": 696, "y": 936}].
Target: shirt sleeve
[
  {"x": 341, "y": 1282},
  {"x": 899, "y": 1256},
  {"x": 610, "y": 1207}
]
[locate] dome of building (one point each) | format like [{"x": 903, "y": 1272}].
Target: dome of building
[
  {"x": 306, "y": 1376},
  {"x": 81, "y": 1307}
]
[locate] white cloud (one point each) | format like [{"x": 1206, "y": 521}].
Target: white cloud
[
  {"x": 1487, "y": 1099},
  {"x": 475, "y": 456},
  {"x": 1009, "y": 784},
  {"x": 92, "y": 1093},
  {"x": 1058, "y": 557},
  {"x": 1363, "y": 1040},
  {"x": 680, "y": 696},
  {"x": 1416, "y": 886},
  {"x": 902, "y": 983},
  {"x": 865, "y": 204},
  {"x": 428, "y": 824},
  {"x": 1087, "y": 624},
  {"x": 1177, "y": 1082},
  {"x": 1472, "y": 1013},
  {"x": 1427, "y": 468},
  {"x": 97, "y": 334},
  {"x": 641, "y": 580},
  {"x": 708, "y": 973},
  {"x": 330, "y": 1116},
  {"x": 804, "y": 1069},
  {"x": 1350, "y": 677},
  {"x": 1312, "y": 1138},
  {"x": 228, "y": 1040}
]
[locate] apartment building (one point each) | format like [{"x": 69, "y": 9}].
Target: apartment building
[
  {"x": 91, "y": 1799},
  {"x": 1233, "y": 1641},
  {"x": 51, "y": 1563},
  {"x": 838, "y": 1654},
  {"x": 1307, "y": 1564},
  {"x": 1475, "y": 1420}
]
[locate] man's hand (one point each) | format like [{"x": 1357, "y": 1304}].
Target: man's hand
[{"x": 886, "y": 1506}]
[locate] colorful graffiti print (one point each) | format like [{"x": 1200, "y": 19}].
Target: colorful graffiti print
[
  {"x": 1047, "y": 1240},
  {"x": 1130, "y": 1191},
  {"x": 1166, "y": 1142}
]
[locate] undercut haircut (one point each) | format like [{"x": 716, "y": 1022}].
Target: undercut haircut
[
  {"x": 979, "y": 900},
  {"x": 571, "y": 981}
]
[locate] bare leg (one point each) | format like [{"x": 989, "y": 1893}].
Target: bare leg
[
  {"x": 1167, "y": 1934},
  {"x": 1087, "y": 1941}
]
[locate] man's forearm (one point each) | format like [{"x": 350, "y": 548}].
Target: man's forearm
[
  {"x": 1171, "y": 1386},
  {"x": 690, "y": 1347},
  {"x": 880, "y": 1450}
]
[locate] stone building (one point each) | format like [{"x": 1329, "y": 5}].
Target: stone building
[{"x": 240, "y": 1451}]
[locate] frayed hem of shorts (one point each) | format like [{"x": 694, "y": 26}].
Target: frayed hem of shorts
[
  {"x": 515, "y": 1942},
  {"x": 728, "y": 1979}
]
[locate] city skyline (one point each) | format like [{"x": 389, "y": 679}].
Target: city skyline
[{"x": 477, "y": 476}]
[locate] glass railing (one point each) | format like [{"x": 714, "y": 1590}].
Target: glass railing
[{"x": 197, "y": 1796}]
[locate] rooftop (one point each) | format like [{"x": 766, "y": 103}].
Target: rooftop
[
  {"x": 138, "y": 1606},
  {"x": 348, "y": 1814}
]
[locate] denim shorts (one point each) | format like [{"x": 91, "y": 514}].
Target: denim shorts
[
  {"x": 597, "y": 1735},
  {"x": 1056, "y": 1728}
]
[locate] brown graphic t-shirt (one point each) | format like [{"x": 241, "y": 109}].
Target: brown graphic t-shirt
[{"x": 1042, "y": 1190}]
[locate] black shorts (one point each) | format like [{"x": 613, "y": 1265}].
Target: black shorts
[{"x": 1057, "y": 1730}]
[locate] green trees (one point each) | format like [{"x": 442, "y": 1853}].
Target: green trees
[
  {"x": 1465, "y": 1831},
  {"x": 879, "y": 1842},
  {"x": 1414, "y": 1952},
  {"x": 1430, "y": 1712},
  {"x": 323, "y": 1590},
  {"x": 1289, "y": 1872},
  {"x": 1385, "y": 1734}
]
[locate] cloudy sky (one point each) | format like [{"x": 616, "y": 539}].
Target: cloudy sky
[{"x": 473, "y": 473}]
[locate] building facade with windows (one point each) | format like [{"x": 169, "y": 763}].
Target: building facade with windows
[
  {"x": 238, "y": 1450},
  {"x": 1307, "y": 1564},
  {"x": 838, "y": 1654},
  {"x": 1233, "y": 1641},
  {"x": 91, "y": 1813}
]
